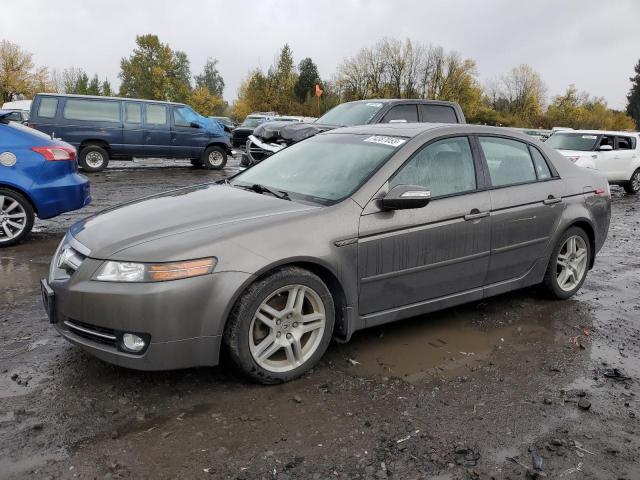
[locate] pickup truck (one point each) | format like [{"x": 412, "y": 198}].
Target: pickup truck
[{"x": 270, "y": 137}]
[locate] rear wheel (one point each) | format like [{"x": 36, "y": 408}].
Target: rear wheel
[
  {"x": 93, "y": 158},
  {"x": 214, "y": 158},
  {"x": 281, "y": 326},
  {"x": 16, "y": 217},
  {"x": 633, "y": 185},
  {"x": 569, "y": 264}
]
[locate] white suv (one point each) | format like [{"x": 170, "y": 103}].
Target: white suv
[{"x": 616, "y": 154}]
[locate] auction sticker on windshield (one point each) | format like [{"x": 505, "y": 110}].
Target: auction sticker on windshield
[
  {"x": 383, "y": 140},
  {"x": 589, "y": 137}
]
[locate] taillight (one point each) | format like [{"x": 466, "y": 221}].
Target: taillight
[{"x": 55, "y": 153}]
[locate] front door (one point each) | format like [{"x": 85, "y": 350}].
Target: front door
[
  {"x": 406, "y": 257},
  {"x": 526, "y": 205}
]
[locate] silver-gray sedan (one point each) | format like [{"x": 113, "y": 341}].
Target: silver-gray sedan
[{"x": 349, "y": 229}]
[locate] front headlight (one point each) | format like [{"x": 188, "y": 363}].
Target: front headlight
[{"x": 111, "y": 271}]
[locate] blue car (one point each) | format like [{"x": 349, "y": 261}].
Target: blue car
[
  {"x": 38, "y": 176},
  {"x": 104, "y": 128}
]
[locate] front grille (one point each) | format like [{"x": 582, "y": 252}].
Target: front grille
[
  {"x": 256, "y": 154},
  {"x": 67, "y": 259},
  {"x": 106, "y": 336}
]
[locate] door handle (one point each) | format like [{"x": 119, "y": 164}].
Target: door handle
[
  {"x": 475, "y": 214},
  {"x": 551, "y": 200}
]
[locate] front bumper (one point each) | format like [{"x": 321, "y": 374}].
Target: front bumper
[{"x": 183, "y": 320}]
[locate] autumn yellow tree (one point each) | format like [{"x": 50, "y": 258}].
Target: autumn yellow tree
[
  {"x": 18, "y": 74},
  {"x": 206, "y": 103}
]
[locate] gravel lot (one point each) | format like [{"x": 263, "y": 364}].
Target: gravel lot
[{"x": 485, "y": 390}]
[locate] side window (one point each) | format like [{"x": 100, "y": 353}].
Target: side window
[
  {"x": 47, "y": 107},
  {"x": 509, "y": 161},
  {"x": 625, "y": 143},
  {"x": 607, "y": 140},
  {"x": 438, "y": 114},
  {"x": 156, "y": 114},
  {"x": 132, "y": 112},
  {"x": 402, "y": 113},
  {"x": 542, "y": 169},
  {"x": 444, "y": 167},
  {"x": 179, "y": 119},
  {"x": 14, "y": 117},
  {"x": 91, "y": 110}
]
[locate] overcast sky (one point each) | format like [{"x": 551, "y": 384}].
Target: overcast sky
[{"x": 591, "y": 43}]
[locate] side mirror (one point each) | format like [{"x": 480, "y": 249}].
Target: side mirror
[
  {"x": 195, "y": 125},
  {"x": 403, "y": 197},
  {"x": 605, "y": 148}
]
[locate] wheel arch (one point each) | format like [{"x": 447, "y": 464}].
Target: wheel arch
[
  {"x": 95, "y": 142},
  {"x": 21, "y": 191},
  {"x": 342, "y": 329},
  {"x": 589, "y": 229}
]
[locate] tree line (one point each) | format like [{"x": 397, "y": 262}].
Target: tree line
[{"x": 389, "y": 68}]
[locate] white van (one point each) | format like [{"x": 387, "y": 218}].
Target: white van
[{"x": 616, "y": 154}]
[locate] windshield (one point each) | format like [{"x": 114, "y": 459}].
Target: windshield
[
  {"x": 348, "y": 114},
  {"x": 322, "y": 169},
  {"x": 252, "y": 122},
  {"x": 573, "y": 141}
]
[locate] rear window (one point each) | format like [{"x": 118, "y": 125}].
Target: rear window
[
  {"x": 92, "y": 110},
  {"x": 438, "y": 114},
  {"x": 47, "y": 107}
]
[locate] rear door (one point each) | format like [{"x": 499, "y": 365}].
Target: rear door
[
  {"x": 626, "y": 156},
  {"x": 526, "y": 205},
  {"x": 157, "y": 131},
  {"x": 410, "y": 256}
]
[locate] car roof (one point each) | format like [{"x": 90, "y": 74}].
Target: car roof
[
  {"x": 98, "y": 97},
  {"x": 596, "y": 132},
  {"x": 410, "y": 130},
  {"x": 403, "y": 100}
]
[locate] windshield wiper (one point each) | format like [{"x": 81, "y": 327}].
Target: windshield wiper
[{"x": 258, "y": 188}]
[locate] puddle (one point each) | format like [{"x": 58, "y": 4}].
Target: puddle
[{"x": 445, "y": 343}]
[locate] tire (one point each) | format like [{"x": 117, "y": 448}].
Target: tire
[
  {"x": 214, "y": 158},
  {"x": 15, "y": 209},
  {"x": 196, "y": 163},
  {"x": 565, "y": 287},
  {"x": 633, "y": 185},
  {"x": 93, "y": 158},
  {"x": 246, "y": 336}
]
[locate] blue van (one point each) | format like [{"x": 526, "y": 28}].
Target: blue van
[{"x": 104, "y": 128}]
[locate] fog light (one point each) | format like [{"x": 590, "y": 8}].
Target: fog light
[{"x": 132, "y": 342}]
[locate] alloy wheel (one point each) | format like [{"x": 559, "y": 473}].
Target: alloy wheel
[
  {"x": 13, "y": 218},
  {"x": 571, "y": 263},
  {"x": 287, "y": 328},
  {"x": 635, "y": 181}
]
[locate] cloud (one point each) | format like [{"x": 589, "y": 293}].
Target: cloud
[{"x": 574, "y": 41}]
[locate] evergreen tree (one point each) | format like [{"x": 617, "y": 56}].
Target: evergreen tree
[
  {"x": 106, "y": 88},
  {"x": 94, "y": 86},
  {"x": 633, "y": 107},
  {"x": 307, "y": 80}
]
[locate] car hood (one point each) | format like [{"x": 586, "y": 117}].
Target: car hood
[{"x": 212, "y": 207}]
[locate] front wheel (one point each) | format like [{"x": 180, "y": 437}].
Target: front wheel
[
  {"x": 214, "y": 158},
  {"x": 569, "y": 264},
  {"x": 93, "y": 158},
  {"x": 281, "y": 326},
  {"x": 633, "y": 185},
  {"x": 16, "y": 217}
]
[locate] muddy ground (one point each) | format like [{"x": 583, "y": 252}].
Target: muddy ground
[{"x": 486, "y": 390}]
